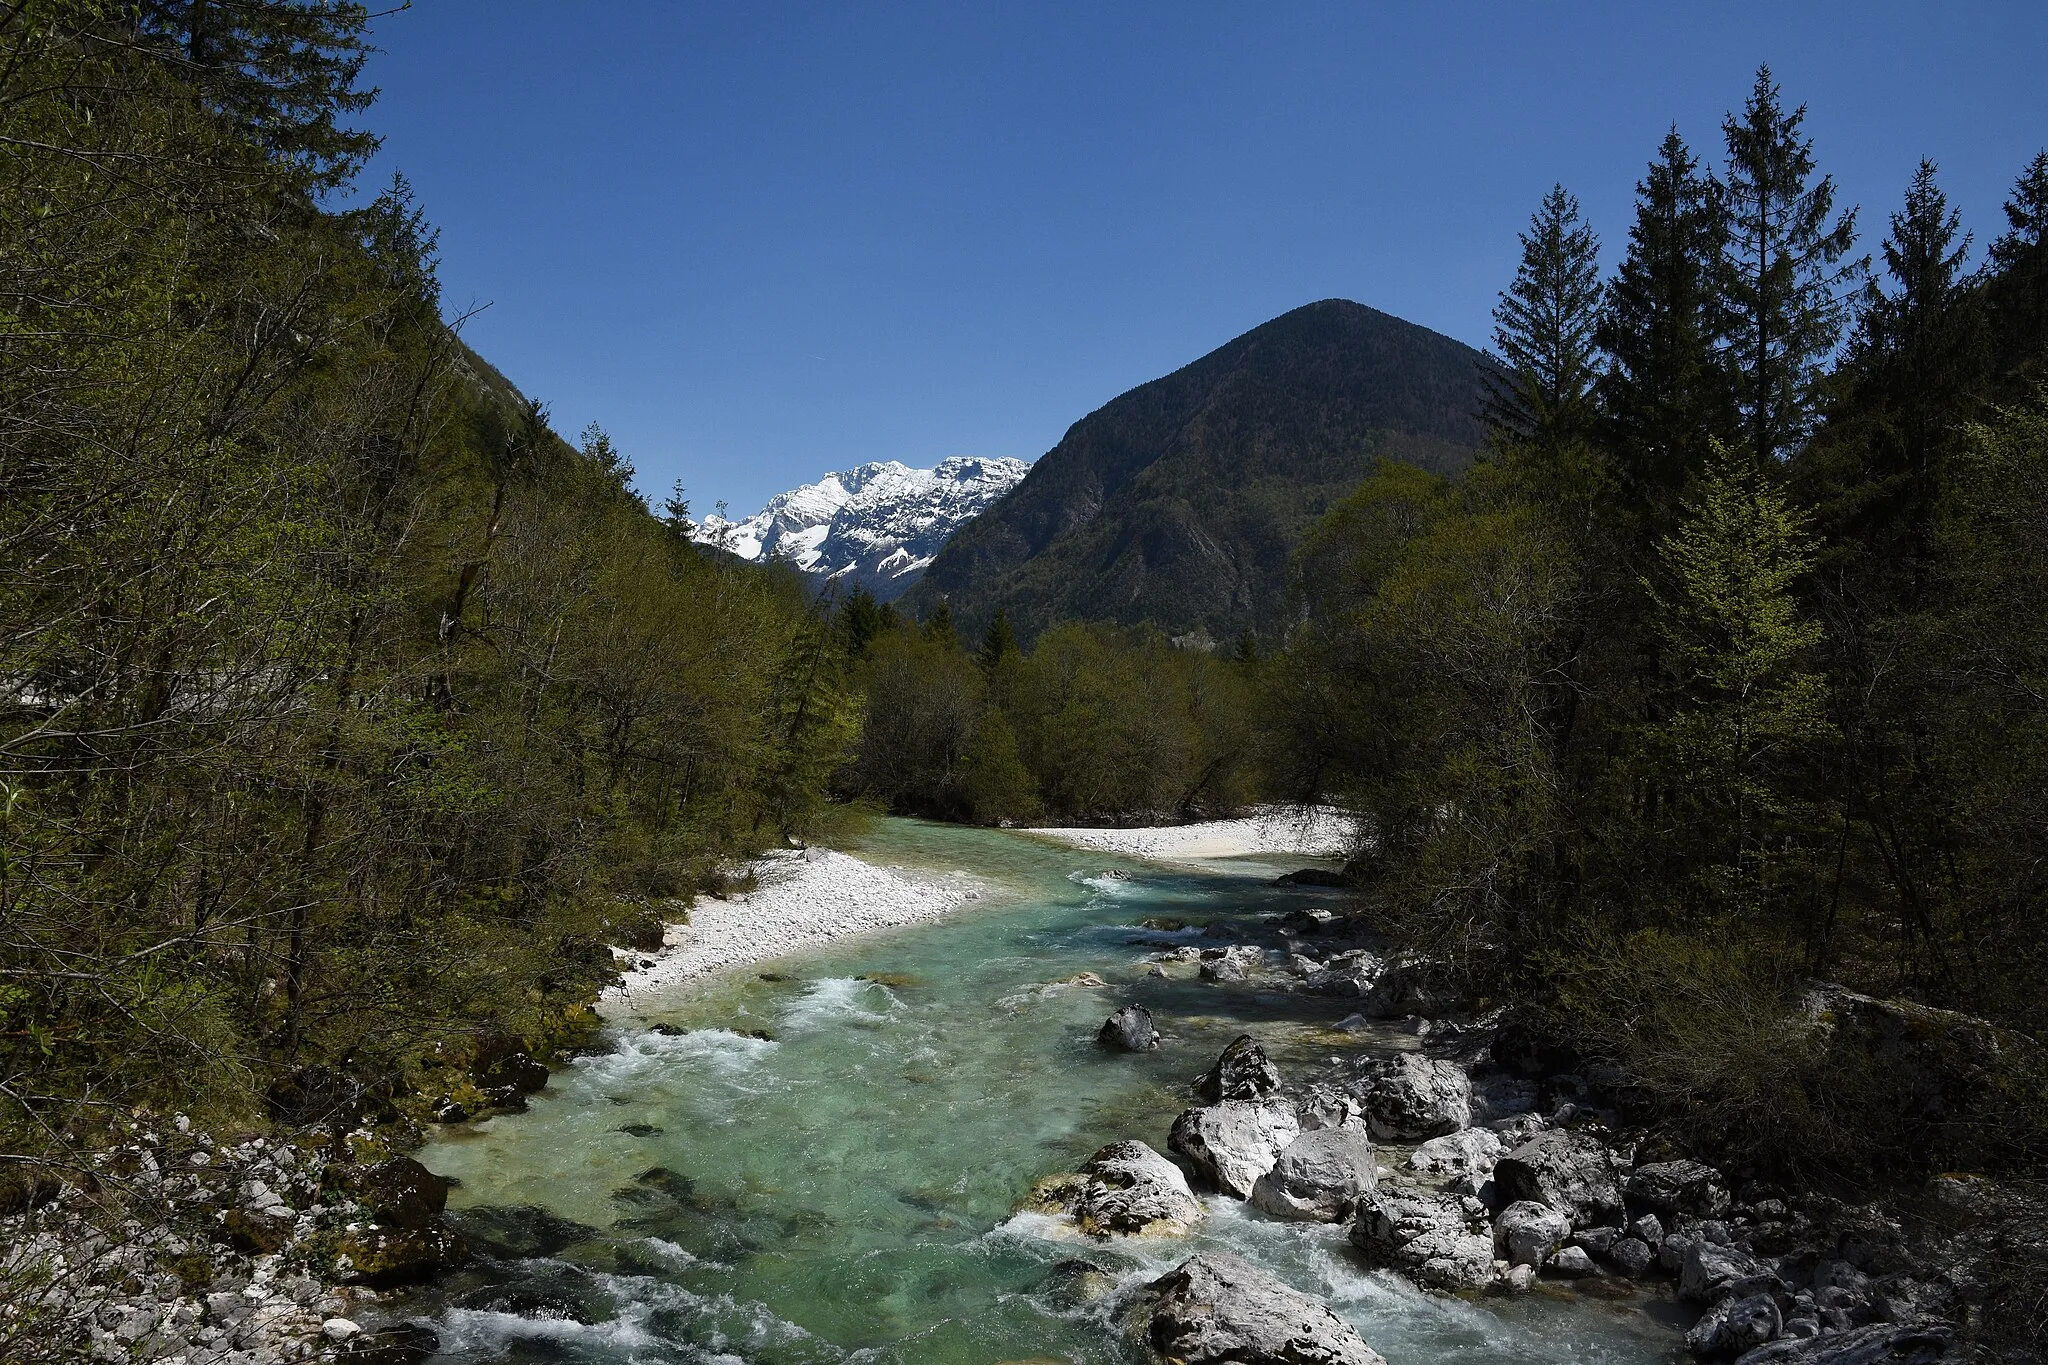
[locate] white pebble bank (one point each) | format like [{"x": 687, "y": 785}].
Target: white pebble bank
[{"x": 805, "y": 898}]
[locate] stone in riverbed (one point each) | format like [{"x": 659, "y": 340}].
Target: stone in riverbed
[
  {"x": 1568, "y": 1171},
  {"x": 1319, "y": 1176},
  {"x": 1232, "y": 964},
  {"x": 1633, "y": 1257},
  {"x": 1125, "y": 1188},
  {"x": 1439, "y": 1239},
  {"x": 1528, "y": 1233},
  {"x": 1711, "y": 1272},
  {"x": 1464, "y": 1160},
  {"x": 1130, "y": 1029},
  {"x": 1878, "y": 1344},
  {"x": 1735, "y": 1325},
  {"x": 1217, "y": 1310},
  {"x": 1679, "y": 1187},
  {"x": 1412, "y": 1096},
  {"x": 1243, "y": 1072},
  {"x": 1234, "y": 1143}
]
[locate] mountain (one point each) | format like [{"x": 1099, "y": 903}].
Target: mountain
[
  {"x": 1180, "y": 502},
  {"x": 877, "y": 525}
]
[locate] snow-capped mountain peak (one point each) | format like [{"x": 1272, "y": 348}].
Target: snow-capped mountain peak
[{"x": 877, "y": 524}]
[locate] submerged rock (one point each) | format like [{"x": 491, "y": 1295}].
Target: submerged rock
[
  {"x": 1130, "y": 1028},
  {"x": 1412, "y": 1096},
  {"x": 1243, "y": 1072},
  {"x": 1217, "y": 1310},
  {"x": 1439, "y": 1239},
  {"x": 1319, "y": 1176},
  {"x": 1125, "y": 1188},
  {"x": 1234, "y": 1143}
]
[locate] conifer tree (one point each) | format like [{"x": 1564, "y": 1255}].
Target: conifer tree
[
  {"x": 998, "y": 643},
  {"x": 1666, "y": 393},
  {"x": 1544, "y": 328},
  {"x": 2019, "y": 287},
  {"x": 1788, "y": 275},
  {"x": 1917, "y": 366},
  {"x": 282, "y": 71}
]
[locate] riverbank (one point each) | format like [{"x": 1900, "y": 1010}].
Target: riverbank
[
  {"x": 804, "y": 898},
  {"x": 1276, "y": 831}
]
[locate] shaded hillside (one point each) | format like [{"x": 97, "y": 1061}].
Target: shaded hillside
[{"x": 1180, "y": 501}]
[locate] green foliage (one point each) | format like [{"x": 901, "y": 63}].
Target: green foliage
[
  {"x": 1787, "y": 270},
  {"x": 1543, "y": 330},
  {"x": 341, "y": 701},
  {"x": 1091, "y": 724},
  {"x": 1178, "y": 503}
]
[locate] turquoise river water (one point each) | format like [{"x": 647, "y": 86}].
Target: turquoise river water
[{"x": 843, "y": 1189}]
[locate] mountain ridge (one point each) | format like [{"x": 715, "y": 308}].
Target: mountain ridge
[
  {"x": 876, "y": 524},
  {"x": 1180, "y": 501}
]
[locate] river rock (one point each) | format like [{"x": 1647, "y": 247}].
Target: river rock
[
  {"x": 1130, "y": 1028},
  {"x": 1235, "y": 963},
  {"x": 1319, "y": 1176},
  {"x": 1234, "y": 1143},
  {"x": 1217, "y": 1310},
  {"x": 1243, "y": 1072},
  {"x": 1124, "y": 1188},
  {"x": 1878, "y": 1344},
  {"x": 382, "y": 1257},
  {"x": 1570, "y": 1261},
  {"x": 1633, "y": 1257},
  {"x": 406, "y": 1344},
  {"x": 1669, "y": 1187},
  {"x": 1465, "y": 1159},
  {"x": 1735, "y": 1325},
  {"x": 1527, "y": 1233},
  {"x": 1408, "y": 986},
  {"x": 1568, "y": 1171},
  {"x": 1412, "y": 1096},
  {"x": 1711, "y": 1272},
  {"x": 1349, "y": 976},
  {"x": 400, "y": 1192},
  {"x": 1439, "y": 1239}
]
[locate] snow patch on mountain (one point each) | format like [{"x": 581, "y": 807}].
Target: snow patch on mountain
[{"x": 877, "y": 525}]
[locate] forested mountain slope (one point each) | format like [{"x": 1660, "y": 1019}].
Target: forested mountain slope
[{"x": 1180, "y": 501}]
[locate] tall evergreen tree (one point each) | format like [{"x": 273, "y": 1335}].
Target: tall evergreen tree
[
  {"x": 2019, "y": 287},
  {"x": 1788, "y": 272},
  {"x": 1917, "y": 367},
  {"x": 283, "y": 72},
  {"x": 1543, "y": 330},
  {"x": 1666, "y": 392},
  {"x": 998, "y": 643}
]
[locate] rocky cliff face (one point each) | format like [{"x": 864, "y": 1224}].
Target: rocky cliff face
[{"x": 877, "y": 525}]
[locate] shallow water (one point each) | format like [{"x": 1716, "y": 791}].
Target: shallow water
[{"x": 843, "y": 1190}]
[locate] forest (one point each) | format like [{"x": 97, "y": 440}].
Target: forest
[
  {"x": 349, "y": 713},
  {"x": 1722, "y": 672}
]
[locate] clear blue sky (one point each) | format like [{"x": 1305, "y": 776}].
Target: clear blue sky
[{"x": 759, "y": 241}]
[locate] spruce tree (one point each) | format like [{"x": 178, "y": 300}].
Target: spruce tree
[
  {"x": 1788, "y": 272},
  {"x": 1666, "y": 394},
  {"x": 998, "y": 643},
  {"x": 283, "y": 72},
  {"x": 1544, "y": 330},
  {"x": 1917, "y": 367},
  {"x": 2019, "y": 284}
]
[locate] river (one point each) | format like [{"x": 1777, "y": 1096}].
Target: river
[{"x": 842, "y": 1189}]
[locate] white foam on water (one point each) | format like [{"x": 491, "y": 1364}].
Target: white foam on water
[
  {"x": 645, "y": 1056},
  {"x": 841, "y": 999}
]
